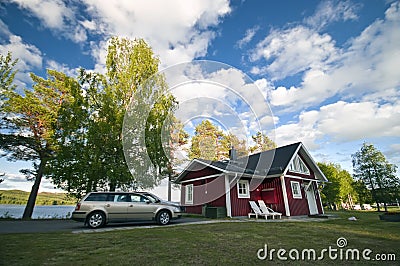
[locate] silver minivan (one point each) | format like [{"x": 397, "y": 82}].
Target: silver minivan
[{"x": 99, "y": 208}]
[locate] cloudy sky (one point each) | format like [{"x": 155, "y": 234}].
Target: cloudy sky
[{"x": 328, "y": 70}]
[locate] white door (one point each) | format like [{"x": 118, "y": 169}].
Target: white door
[{"x": 312, "y": 204}]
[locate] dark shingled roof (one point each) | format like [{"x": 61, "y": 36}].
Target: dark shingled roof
[
  {"x": 275, "y": 161},
  {"x": 280, "y": 158}
]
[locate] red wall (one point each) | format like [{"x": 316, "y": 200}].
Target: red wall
[
  {"x": 241, "y": 207},
  {"x": 300, "y": 206},
  {"x": 209, "y": 191},
  {"x": 296, "y": 206},
  {"x": 212, "y": 192}
]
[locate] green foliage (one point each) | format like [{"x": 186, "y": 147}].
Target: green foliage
[
  {"x": 7, "y": 73},
  {"x": 207, "y": 142},
  {"x": 364, "y": 195},
  {"x": 263, "y": 143},
  {"x": 29, "y": 121},
  {"x": 340, "y": 184},
  {"x": 90, "y": 155},
  {"x": 210, "y": 143},
  {"x": 230, "y": 141},
  {"x": 371, "y": 167}
]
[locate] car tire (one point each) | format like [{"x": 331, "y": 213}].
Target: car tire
[
  {"x": 163, "y": 217},
  {"x": 96, "y": 220}
]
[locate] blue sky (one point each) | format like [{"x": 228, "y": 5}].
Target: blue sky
[{"x": 327, "y": 69}]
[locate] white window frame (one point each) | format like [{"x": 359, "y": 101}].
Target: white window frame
[
  {"x": 245, "y": 195},
  {"x": 189, "y": 194},
  {"x": 295, "y": 185},
  {"x": 298, "y": 166}
]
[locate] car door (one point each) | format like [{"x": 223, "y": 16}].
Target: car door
[
  {"x": 140, "y": 208},
  {"x": 117, "y": 207}
]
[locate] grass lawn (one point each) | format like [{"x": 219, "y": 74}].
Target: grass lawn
[{"x": 208, "y": 244}]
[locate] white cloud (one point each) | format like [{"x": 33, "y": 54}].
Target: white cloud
[
  {"x": 332, "y": 11},
  {"x": 369, "y": 66},
  {"x": 177, "y": 30},
  {"x": 305, "y": 130},
  {"x": 293, "y": 51},
  {"x": 342, "y": 122},
  {"x": 51, "y": 64},
  {"x": 248, "y": 36},
  {"x": 29, "y": 57},
  {"x": 55, "y": 15}
]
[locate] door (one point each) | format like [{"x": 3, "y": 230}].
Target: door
[
  {"x": 140, "y": 208},
  {"x": 117, "y": 207},
  {"x": 312, "y": 203}
]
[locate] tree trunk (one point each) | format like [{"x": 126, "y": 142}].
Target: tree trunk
[
  {"x": 377, "y": 205},
  {"x": 35, "y": 189}
]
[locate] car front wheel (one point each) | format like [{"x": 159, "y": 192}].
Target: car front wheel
[
  {"x": 163, "y": 217},
  {"x": 96, "y": 220}
]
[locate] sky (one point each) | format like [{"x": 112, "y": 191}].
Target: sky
[{"x": 321, "y": 72}]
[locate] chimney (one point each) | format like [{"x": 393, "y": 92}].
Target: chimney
[{"x": 232, "y": 154}]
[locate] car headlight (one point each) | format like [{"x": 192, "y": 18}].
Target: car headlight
[{"x": 176, "y": 209}]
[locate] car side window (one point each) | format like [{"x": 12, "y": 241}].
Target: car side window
[
  {"x": 121, "y": 198},
  {"x": 97, "y": 197},
  {"x": 138, "y": 198}
]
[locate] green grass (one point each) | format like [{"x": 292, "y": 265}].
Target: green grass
[
  {"x": 211, "y": 244},
  {"x": 45, "y": 198}
]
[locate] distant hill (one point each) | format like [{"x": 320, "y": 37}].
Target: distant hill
[{"x": 45, "y": 198}]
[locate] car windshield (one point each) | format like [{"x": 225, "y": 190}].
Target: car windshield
[{"x": 152, "y": 197}]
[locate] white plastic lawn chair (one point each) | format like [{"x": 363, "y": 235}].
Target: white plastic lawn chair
[
  {"x": 257, "y": 211},
  {"x": 268, "y": 210}
]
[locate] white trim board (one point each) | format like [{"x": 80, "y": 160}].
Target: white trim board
[
  {"x": 201, "y": 178},
  {"x": 308, "y": 179}
]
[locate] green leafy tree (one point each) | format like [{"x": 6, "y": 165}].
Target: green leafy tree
[
  {"x": 371, "y": 167},
  {"x": 7, "y": 74},
  {"x": 363, "y": 193},
  {"x": 210, "y": 143},
  {"x": 263, "y": 143},
  {"x": 91, "y": 155},
  {"x": 331, "y": 191},
  {"x": 340, "y": 185},
  {"x": 29, "y": 122},
  {"x": 206, "y": 142},
  {"x": 230, "y": 141}
]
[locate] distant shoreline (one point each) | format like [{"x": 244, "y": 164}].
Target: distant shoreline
[{"x": 19, "y": 197}]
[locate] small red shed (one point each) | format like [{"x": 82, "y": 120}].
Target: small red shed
[{"x": 286, "y": 178}]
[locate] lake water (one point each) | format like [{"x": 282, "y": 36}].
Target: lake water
[{"x": 39, "y": 212}]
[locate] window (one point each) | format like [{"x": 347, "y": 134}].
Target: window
[
  {"x": 121, "y": 198},
  {"x": 189, "y": 194},
  {"x": 97, "y": 197},
  {"x": 297, "y": 165},
  {"x": 243, "y": 189},
  {"x": 138, "y": 198},
  {"x": 296, "y": 192}
]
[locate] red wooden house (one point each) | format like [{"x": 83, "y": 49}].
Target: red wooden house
[{"x": 286, "y": 178}]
